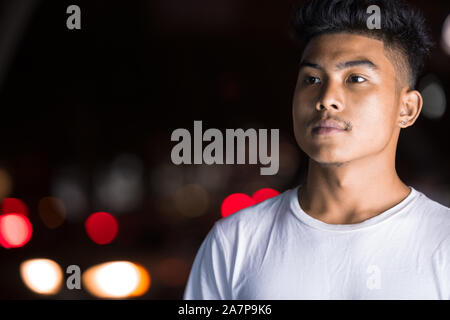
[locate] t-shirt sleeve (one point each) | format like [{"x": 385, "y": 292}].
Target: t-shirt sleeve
[{"x": 208, "y": 279}]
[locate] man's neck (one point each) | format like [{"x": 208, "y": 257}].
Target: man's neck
[{"x": 350, "y": 193}]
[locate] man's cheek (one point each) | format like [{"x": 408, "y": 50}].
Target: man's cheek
[
  {"x": 371, "y": 133},
  {"x": 301, "y": 116}
]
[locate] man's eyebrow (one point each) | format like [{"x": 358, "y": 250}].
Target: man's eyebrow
[
  {"x": 342, "y": 65},
  {"x": 363, "y": 62},
  {"x": 310, "y": 64}
]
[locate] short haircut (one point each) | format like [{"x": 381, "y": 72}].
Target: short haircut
[{"x": 403, "y": 28}]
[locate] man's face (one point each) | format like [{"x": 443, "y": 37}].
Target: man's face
[{"x": 349, "y": 79}]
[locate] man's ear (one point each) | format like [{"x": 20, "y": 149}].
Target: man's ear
[{"x": 410, "y": 106}]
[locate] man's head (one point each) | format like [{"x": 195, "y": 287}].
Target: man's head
[{"x": 362, "y": 78}]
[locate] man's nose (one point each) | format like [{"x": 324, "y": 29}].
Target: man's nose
[{"x": 330, "y": 98}]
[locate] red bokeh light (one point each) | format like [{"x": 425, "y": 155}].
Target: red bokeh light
[
  {"x": 15, "y": 230},
  {"x": 14, "y": 205},
  {"x": 101, "y": 227},
  {"x": 235, "y": 202},
  {"x": 264, "y": 194}
]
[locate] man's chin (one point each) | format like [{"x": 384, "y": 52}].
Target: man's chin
[
  {"x": 328, "y": 156},
  {"x": 328, "y": 162}
]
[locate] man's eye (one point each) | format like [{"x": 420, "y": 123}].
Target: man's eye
[
  {"x": 356, "y": 79},
  {"x": 311, "y": 80}
]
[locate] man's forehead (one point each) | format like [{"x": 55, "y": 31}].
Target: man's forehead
[{"x": 340, "y": 48}]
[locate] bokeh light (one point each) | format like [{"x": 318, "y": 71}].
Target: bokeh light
[
  {"x": 15, "y": 230},
  {"x": 172, "y": 272},
  {"x": 116, "y": 279},
  {"x": 101, "y": 227},
  {"x": 70, "y": 185},
  {"x": 118, "y": 187},
  {"x": 235, "y": 202},
  {"x": 143, "y": 283},
  {"x": 264, "y": 194},
  {"x": 14, "y": 205},
  {"x": 434, "y": 99},
  {"x": 191, "y": 200},
  {"x": 43, "y": 276},
  {"x": 52, "y": 211}
]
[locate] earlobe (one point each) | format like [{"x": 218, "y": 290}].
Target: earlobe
[{"x": 411, "y": 107}]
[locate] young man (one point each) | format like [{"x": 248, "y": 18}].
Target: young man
[{"x": 354, "y": 230}]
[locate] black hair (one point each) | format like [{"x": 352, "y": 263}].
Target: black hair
[{"x": 403, "y": 28}]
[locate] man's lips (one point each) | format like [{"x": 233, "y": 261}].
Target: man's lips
[
  {"x": 328, "y": 126},
  {"x": 326, "y": 130}
]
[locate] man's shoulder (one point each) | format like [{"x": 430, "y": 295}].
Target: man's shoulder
[
  {"x": 432, "y": 217},
  {"x": 433, "y": 208}
]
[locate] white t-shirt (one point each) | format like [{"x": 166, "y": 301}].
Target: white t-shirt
[{"x": 274, "y": 250}]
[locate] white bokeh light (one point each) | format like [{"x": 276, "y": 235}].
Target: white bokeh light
[
  {"x": 43, "y": 276},
  {"x": 69, "y": 185},
  {"x": 117, "y": 279},
  {"x": 118, "y": 188},
  {"x": 434, "y": 99}
]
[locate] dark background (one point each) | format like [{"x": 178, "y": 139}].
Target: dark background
[{"x": 74, "y": 101}]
